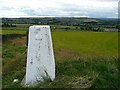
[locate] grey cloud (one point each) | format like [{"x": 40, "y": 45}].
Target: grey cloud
[
  {"x": 119, "y": 9},
  {"x": 65, "y": 9},
  {"x": 7, "y": 8},
  {"x": 102, "y": 14},
  {"x": 70, "y": 10},
  {"x": 108, "y": 0},
  {"x": 28, "y": 11},
  {"x": 91, "y": 12},
  {"x": 37, "y": 12}
]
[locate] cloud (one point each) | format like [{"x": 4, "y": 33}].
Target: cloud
[
  {"x": 90, "y": 8},
  {"x": 109, "y": 0},
  {"x": 28, "y": 11}
]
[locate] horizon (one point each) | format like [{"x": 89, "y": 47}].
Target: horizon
[{"x": 61, "y": 17}]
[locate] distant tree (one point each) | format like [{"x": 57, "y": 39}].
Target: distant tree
[
  {"x": 118, "y": 26},
  {"x": 5, "y": 25},
  {"x": 11, "y": 25},
  {"x": 76, "y": 27},
  {"x": 8, "y": 25},
  {"x": 82, "y": 28},
  {"x": 97, "y": 29},
  {"x": 90, "y": 28},
  {"x": 86, "y": 28},
  {"x": 67, "y": 28}
]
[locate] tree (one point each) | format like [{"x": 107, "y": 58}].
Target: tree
[
  {"x": 90, "y": 28},
  {"x": 67, "y": 28},
  {"x": 82, "y": 28},
  {"x": 76, "y": 27}
]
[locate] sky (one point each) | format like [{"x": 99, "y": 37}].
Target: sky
[{"x": 59, "y": 8}]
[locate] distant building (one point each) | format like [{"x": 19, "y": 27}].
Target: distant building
[{"x": 111, "y": 30}]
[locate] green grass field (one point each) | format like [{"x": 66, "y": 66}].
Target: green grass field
[
  {"x": 88, "y": 43},
  {"x": 83, "y": 60},
  {"x": 13, "y": 32}
]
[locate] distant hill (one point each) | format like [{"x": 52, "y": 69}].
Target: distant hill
[
  {"x": 57, "y": 20},
  {"x": 95, "y": 23}
]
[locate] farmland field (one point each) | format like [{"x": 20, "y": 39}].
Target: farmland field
[
  {"x": 83, "y": 60},
  {"x": 88, "y": 43},
  {"x": 13, "y": 32}
]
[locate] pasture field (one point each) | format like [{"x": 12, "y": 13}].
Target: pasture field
[
  {"x": 83, "y": 60},
  {"x": 18, "y": 27},
  {"x": 13, "y": 32},
  {"x": 88, "y": 43}
]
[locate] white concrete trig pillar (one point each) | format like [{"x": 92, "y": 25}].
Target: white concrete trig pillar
[{"x": 40, "y": 56}]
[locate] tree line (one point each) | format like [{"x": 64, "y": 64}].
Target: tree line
[{"x": 8, "y": 25}]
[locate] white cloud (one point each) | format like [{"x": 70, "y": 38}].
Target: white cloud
[{"x": 90, "y": 8}]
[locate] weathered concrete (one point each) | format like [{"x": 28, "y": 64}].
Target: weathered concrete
[{"x": 40, "y": 57}]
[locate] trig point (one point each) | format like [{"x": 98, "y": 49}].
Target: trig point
[{"x": 40, "y": 57}]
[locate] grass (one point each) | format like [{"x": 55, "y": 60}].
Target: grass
[
  {"x": 88, "y": 43},
  {"x": 71, "y": 70},
  {"x": 91, "y": 60},
  {"x": 18, "y": 27},
  {"x": 13, "y": 32},
  {"x": 71, "y": 73}
]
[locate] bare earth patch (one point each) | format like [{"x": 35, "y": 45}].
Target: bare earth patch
[
  {"x": 61, "y": 53},
  {"x": 19, "y": 41}
]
